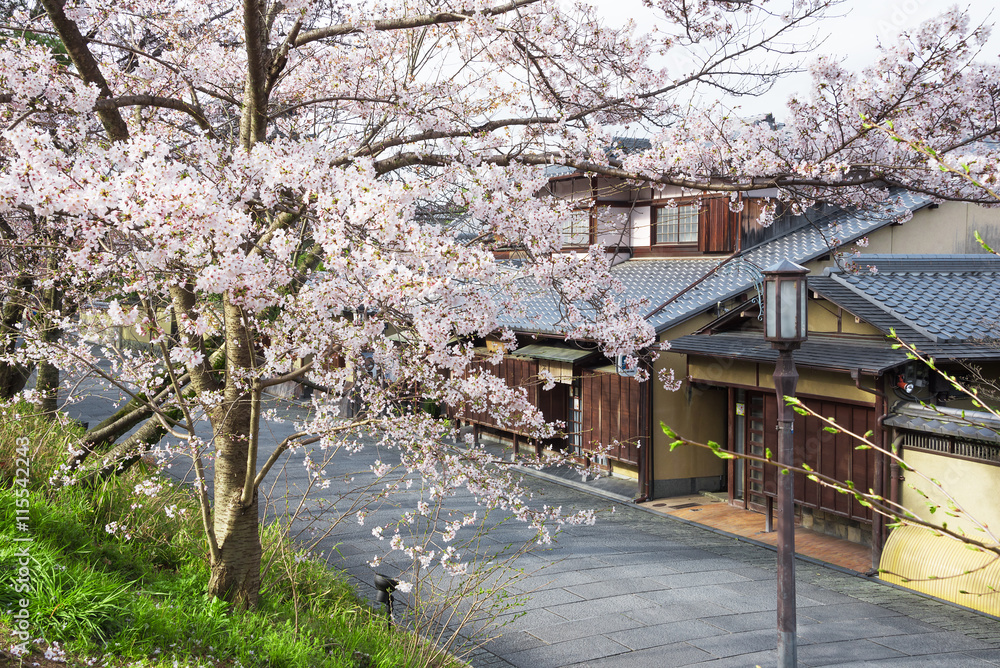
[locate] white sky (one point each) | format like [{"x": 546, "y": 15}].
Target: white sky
[{"x": 852, "y": 35}]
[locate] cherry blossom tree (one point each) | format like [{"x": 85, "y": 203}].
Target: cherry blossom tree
[{"x": 284, "y": 180}]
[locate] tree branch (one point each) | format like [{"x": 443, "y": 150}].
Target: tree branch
[
  {"x": 86, "y": 65},
  {"x": 407, "y": 23},
  {"x": 154, "y": 101}
]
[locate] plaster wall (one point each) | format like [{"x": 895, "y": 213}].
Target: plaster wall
[
  {"x": 827, "y": 384},
  {"x": 828, "y": 318},
  {"x": 640, "y": 226},
  {"x": 695, "y": 412},
  {"x": 612, "y": 224},
  {"x": 950, "y": 228},
  {"x": 816, "y": 382},
  {"x": 972, "y": 484},
  {"x": 614, "y": 190}
]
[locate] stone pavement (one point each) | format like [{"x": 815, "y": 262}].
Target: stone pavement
[{"x": 643, "y": 589}]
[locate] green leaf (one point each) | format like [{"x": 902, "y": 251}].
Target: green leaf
[
  {"x": 668, "y": 431},
  {"x": 983, "y": 243},
  {"x": 831, "y": 430}
]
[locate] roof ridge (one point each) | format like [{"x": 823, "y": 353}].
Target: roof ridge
[{"x": 951, "y": 263}]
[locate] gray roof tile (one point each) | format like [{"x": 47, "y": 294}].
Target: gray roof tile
[
  {"x": 838, "y": 354},
  {"x": 945, "y": 298},
  {"x": 660, "y": 280},
  {"x": 976, "y": 425},
  {"x": 873, "y": 357}
]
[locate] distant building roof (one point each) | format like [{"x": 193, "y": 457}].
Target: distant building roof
[
  {"x": 619, "y": 146},
  {"x": 661, "y": 280}
]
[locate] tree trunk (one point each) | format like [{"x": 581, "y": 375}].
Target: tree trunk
[
  {"x": 47, "y": 382},
  {"x": 13, "y": 377},
  {"x": 127, "y": 453},
  {"x": 236, "y": 572}
]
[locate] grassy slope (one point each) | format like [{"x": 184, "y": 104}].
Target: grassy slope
[{"x": 133, "y": 593}]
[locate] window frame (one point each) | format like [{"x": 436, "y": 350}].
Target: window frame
[
  {"x": 676, "y": 209},
  {"x": 583, "y": 216}
]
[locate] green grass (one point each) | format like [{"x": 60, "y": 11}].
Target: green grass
[{"x": 140, "y": 599}]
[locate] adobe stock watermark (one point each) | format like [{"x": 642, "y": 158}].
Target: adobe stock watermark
[{"x": 22, "y": 575}]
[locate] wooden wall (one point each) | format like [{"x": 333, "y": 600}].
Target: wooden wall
[
  {"x": 522, "y": 372},
  {"x": 718, "y": 228},
  {"x": 612, "y": 410},
  {"x": 831, "y": 454},
  {"x": 612, "y": 405}
]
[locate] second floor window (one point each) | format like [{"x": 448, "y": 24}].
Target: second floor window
[
  {"x": 576, "y": 229},
  {"x": 677, "y": 224}
]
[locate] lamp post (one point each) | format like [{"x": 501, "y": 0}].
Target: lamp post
[
  {"x": 384, "y": 586},
  {"x": 785, "y": 296}
]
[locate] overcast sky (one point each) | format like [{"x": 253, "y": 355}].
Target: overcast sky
[{"x": 853, "y": 35}]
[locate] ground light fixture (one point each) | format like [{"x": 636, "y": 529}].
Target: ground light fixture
[
  {"x": 785, "y": 327},
  {"x": 384, "y": 586}
]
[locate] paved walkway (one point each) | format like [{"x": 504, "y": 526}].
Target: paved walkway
[
  {"x": 643, "y": 589},
  {"x": 707, "y": 511}
]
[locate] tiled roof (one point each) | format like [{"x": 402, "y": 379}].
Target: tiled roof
[
  {"x": 553, "y": 171},
  {"x": 840, "y": 354},
  {"x": 946, "y": 298},
  {"x": 976, "y": 425},
  {"x": 661, "y": 280},
  {"x": 826, "y": 353},
  {"x": 859, "y": 306},
  {"x": 943, "y": 305}
]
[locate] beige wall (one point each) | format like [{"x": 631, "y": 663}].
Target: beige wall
[
  {"x": 828, "y": 318},
  {"x": 972, "y": 484},
  {"x": 949, "y": 228},
  {"x": 693, "y": 413},
  {"x": 819, "y": 383}
]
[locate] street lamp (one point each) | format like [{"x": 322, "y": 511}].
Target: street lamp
[
  {"x": 384, "y": 586},
  {"x": 785, "y": 295}
]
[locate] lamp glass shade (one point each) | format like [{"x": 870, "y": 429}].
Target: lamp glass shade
[
  {"x": 785, "y": 303},
  {"x": 789, "y": 309},
  {"x": 770, "y": 306},
  {"x": 803, "y": 309}
]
